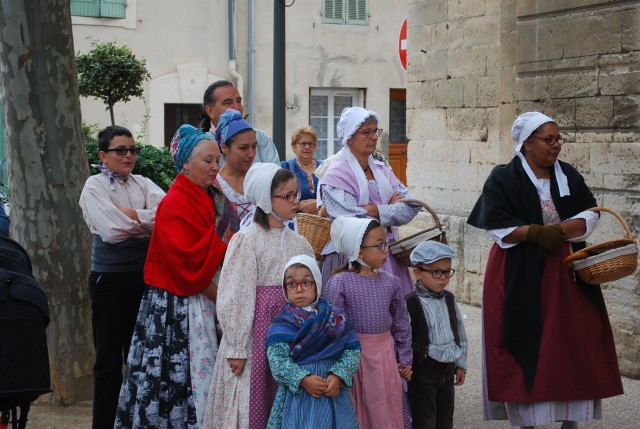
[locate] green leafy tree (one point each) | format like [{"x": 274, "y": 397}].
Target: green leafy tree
[
  {"x": 153, "y": 162},
  {"x": 112, "y": 73}
]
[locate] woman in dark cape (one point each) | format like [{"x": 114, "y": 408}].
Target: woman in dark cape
[{"x": 549, "y": 353}]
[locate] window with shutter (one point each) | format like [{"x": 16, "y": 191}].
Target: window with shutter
[
  {"x": 99, "y": 8},
  {"x": 357, "y": 12},
  {"x": 333, "y": 12}
]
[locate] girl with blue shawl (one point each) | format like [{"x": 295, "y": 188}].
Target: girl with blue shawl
[{"x": 313, "y": 353}]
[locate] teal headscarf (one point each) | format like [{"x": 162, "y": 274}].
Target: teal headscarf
[{"x": 183, "y": 142}]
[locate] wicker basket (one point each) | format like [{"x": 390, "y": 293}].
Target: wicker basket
[
  {"x": 402, "y": 249},
  {"x": 316, "y": 229},
  {"x": 608, "y": 261}
]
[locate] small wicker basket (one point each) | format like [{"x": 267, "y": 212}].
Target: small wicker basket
[
  {"x": 402, "y": 249},
  {"x": 316, "y": 229},
  {"x": 608, "y": 261}
]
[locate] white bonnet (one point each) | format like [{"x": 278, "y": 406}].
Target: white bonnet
[
  {"x": 257, "y": 184},
  {"x": 347, "y": 234},
  {"x": 522, "y": 128},
  {"x": 350, "y": 119},
  {"x": 310, "y": 263},
  {"x": 526, "y": 124}
]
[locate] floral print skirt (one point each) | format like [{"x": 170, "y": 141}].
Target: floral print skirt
[{"x": 156, "y": 390}]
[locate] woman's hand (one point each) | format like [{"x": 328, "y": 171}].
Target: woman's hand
[
  {"x": 333, "y": 387},
  {"x": 308, "y": 206},
  {"x": 405, "y": 372},
  {"x": 237, "y": 366},
  {"x": 548, "y": 237},
  {"x": 372, "y": 210},
  {"x": 397, "y": 196},
  {"x": 314, "y": 385}
]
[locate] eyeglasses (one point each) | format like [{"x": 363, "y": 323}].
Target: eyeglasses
[
  {"x": 550, "y": 140},
  {"x": 306, "y": 144},
  {"x": 291, "y": 196},
  {"x": 436, "y": 274},
  {"x": 381, "y": 247},
  {"x": 121, "y": 150},
  {"x": 370, "y": 133},
  {"x": 305, "y": 285}
]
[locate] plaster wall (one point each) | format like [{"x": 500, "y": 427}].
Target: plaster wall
[{"x": 186, "y": 49}]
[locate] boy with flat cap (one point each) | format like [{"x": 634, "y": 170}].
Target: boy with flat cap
[{"x": 439, "y": 341}]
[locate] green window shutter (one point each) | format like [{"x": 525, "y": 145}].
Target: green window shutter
[
  {"x": 112, "y": 8},
  {"x": 357, "y": 12},
  {"x": 333, "y": 12},
  {"x": 85, "y": 7}
]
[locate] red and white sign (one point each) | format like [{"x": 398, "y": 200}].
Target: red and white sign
[{"x": 402, "y": 44}]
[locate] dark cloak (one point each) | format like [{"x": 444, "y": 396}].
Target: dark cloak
[{"x": 509, "y": 199}]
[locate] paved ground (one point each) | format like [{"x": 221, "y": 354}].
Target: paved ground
[{"x": 619, "y": 413}]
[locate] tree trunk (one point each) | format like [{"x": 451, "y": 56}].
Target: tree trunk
[
  {"x": 47, "y": 167},
  {"x": 113, "y": 121}
]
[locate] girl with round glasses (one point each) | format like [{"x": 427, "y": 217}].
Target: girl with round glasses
[
  {"x": 313, "y": 353},
  {"x": 373, "y": 300}
]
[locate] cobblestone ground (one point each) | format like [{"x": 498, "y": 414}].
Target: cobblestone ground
[{"x": 619, "y": 413}]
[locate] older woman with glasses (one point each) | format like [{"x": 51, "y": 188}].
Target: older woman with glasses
[
  {"x": 549, "y": 353},
  {"x": 304, "y": 141},
  {"x": 357, "y": 185}
]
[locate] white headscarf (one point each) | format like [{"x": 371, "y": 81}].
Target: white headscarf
[
  {"x": 347, "y": 234},
  {"x": 522, "y": 128},
  {"x": 257, "y": 184},
  {"x": 310, "y": 263},
  {"x": 350, "y": 119}
]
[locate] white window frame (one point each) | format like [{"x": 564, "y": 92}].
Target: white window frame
[{"x": 357, "y": 97}]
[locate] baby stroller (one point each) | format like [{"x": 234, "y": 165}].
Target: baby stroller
[{"x": 24, "y": 315}]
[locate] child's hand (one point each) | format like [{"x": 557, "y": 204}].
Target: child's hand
[
  {"x": 314, "y": 385},
  {"x": 460, "y": 376},
  {"x": 237, "y": 366},
  {"x": 405, "y": 372},
  {"x": 333, "y": 386}
]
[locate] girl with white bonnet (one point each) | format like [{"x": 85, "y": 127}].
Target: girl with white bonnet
[
  {"x": 373, "y": 300},
  {"x": 549, "y": 353},
  {"x": 313, "y": 353},
  {"x": 249, "y": 296},
  {"x": 356, "y": 185}
]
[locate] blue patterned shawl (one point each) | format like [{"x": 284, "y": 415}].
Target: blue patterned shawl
[{"x": 313, "y": 335}]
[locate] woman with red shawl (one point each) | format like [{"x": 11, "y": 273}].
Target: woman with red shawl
[{"x": 194, "y": 223}]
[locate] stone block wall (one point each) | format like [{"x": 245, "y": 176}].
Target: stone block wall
[{"x": 474, "y": 66}]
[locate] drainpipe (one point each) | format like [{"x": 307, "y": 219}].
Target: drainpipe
[
  {"x": 249, "y": 103},
  {"x": 232, "y": 51},
  {"x": 279, "y": 120}
]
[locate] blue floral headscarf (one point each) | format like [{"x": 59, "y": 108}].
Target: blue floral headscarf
[{"x": 231, "y": 123}]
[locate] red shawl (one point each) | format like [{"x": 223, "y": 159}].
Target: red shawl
[{"x": 185, "y": 250}]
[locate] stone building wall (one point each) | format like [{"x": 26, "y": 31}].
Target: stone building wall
[{"x": 475, "y": 65}]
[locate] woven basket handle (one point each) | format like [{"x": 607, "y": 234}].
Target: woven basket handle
[
  {"x": 617, "y": 216},
  {"x": 582, "y": 254},
  {"x": 426, "y": 207}
]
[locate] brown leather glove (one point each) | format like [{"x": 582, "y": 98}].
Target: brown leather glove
[{"x": 548, "y": 237}]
